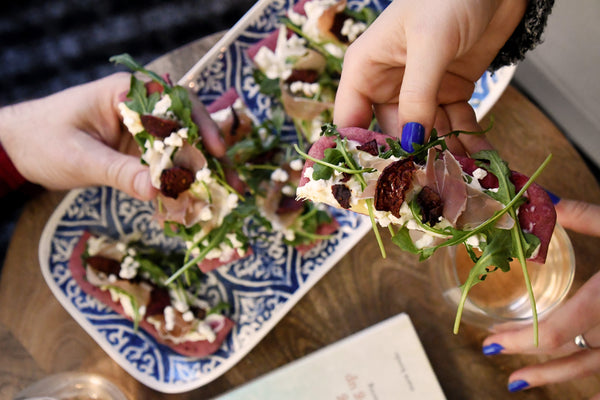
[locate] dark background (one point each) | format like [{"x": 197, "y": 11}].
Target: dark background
[{"x": 46, "y": 46}]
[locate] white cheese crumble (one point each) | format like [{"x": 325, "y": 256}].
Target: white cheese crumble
[
  {"x": 173, "y": 140},
  {"x": 314, "y": 9},
  {"x": 334, "y": 50},
  {"x": 280, "y": 175},
  {"x": 352, "y": 29},
  {"x": 131, "y": 119},
  {"x": 162, "y": 106},
  {"x": 288, "y": 190},
  {"x": 297, "y": 164},
  {"x": 305, "y": 88},
  {"x": 169, "y": 314},
  {"x": 129, "y": 268},
  {"x": 279, "y": 63},
  {"x": 479, "y": 173}
]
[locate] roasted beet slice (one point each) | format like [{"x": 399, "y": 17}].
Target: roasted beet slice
[
  {"x": 431, "y": 205},
  {"x": 175, "y": 180},
  {"x": 393, "y": 183},
  {"x": 342, "y": 194},
  {"x": 370, "y": 147},
  {"x": 159, "y": 299},
  {"x": 303, "y": 75},
  {"x": 108, "y": 266},
  {"x": 288, "y": 204},
  {"x": 159, "y": 127},
  {"x": 336, "y": 28}
]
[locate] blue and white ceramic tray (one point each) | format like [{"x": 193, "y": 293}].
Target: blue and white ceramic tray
[{"x": 261, "y": 289}]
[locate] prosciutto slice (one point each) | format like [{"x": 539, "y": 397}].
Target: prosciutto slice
[{"x": 464, "y": 205}]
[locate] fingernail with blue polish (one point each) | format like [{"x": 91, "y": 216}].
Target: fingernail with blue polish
[
  {"x": 412, "y": 132},
  {"x": 517, "y": 385},
  {"x": 492, "y": 349},
  {"x": 555, "y": 199}
]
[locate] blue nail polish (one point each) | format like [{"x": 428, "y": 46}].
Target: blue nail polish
[
  {"x": 492, "y": 349},
  {"x": 412, "y": 132},
  {"x": 517, "y": 385},
  {"x": 555, "y": 199}
]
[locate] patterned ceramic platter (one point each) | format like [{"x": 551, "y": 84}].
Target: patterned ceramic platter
[{"x": 261, "y": 289}]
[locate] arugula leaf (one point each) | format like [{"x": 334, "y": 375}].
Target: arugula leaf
[
  {"x": 266, "y": 85},
  {"x": 496, "y": 255},
  {"x": 128, "y": 61},
  {"x": 140, "y": 101},
  {"x": 366, "y": 15}
]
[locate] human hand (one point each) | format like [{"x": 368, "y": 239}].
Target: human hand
[
  {"x": 578, "y": 315},
  {"x": 75, "y": 138},
  {"x": 419, "y": 61}
]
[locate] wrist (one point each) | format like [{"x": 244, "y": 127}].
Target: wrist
[{"x": 526, "y": 36}]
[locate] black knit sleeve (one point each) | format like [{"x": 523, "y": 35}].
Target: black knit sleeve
[{"x": 526, "y": 36}]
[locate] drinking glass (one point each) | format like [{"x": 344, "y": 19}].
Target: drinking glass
[
  {"x": 72, "y": 385},
  {"x": 502, "y": 298}
]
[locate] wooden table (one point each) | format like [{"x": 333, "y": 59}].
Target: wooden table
[{"x": 38, "y": 337}]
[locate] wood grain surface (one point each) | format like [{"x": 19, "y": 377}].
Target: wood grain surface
[{"x": 38, "y": 337}]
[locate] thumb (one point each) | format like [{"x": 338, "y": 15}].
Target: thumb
[{"x": 124, "y": 172}]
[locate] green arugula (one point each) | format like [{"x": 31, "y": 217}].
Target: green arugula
[
  {"x": 233, "y": 222},
  {"x": 339, "y": 159}
]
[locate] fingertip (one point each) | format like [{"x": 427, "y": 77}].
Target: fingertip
[
  {"x": 518, "y": 385},
  {"x": 142, "y": 186},
  {"x": 351, "y": 108},
  {"x": 412, "y": 133},
  {"x": 212, "y": 140},
  {"x": 492, "y": 349}
]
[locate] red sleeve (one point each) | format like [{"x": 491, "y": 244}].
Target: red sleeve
[{"x": 10, "y": 178}]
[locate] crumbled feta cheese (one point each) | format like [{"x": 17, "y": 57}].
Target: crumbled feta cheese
[
  {"x": 288, "y": 190},
  {"x": 169, "y": 314},
  {"x": 297, "y": 164},
  {"x": 262, "y": 133},
  {"x": 204, "y": 175},
  {"x": 352, "y": 29},
  {"x": 314, "y": 9},
  {"x": 174, "y": 140},
  {"x": 205, "y": 214},
  {"x": 289, "y": 234},
  {"x": 129, "y": 267},
  {"x": 205, "y": 330},
  {"x": 296, "y": 18},
  {"x": 280, "y": 175},
  {"x": 475, "y": 240},
  {"x": 162, "y": 106},
  {"x": 183, "y": 133},
  {"x": 334, "y": 50},
  {"x": 231, "y": 202},
  {"x": 278, "y": 64},
  {"x": 188, "y": 316},
  {"x": 479, "y": 173},
  {"x": 131, "y": 119},
  {"x": 179, "y": 299},
  {"x": 158, "y": 146}
]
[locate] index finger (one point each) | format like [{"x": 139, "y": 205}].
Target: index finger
[{"x": 211, "y": 137}]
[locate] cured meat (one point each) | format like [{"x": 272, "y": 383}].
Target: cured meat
[
  {"x": 537, "y": 215},
  {"x": 464, "y": 206}
]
